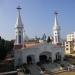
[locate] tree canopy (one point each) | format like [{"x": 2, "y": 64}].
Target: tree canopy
[
  {"x": 5, "y": 47},
  {"x": 49, "y": 39}
]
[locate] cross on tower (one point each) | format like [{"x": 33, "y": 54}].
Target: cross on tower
[
  {"x": 55, "y": 13},
  {"x": 18, "y": 8}
]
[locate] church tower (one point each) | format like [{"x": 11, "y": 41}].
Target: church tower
[
  {"x": 56, "y": 30},
  {"x": 19, "y": 29}
]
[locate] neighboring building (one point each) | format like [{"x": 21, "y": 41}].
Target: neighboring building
[
  {"x": 44, "y": 37},
  {"x": 34, "y": 51},
  {"x": 69, "y": 47},
  {"x": 69, "y": 43}
]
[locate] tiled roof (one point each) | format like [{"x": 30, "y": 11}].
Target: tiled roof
[{"x": 18, "y": 46}]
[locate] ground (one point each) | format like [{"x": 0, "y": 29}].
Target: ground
[
  {"x": 71, "y": 59},
  {"x": 63, "y": 73},
  {"x": 66, "y": 73}
]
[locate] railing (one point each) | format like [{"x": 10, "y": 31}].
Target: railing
[
  {"x": 68, "y": 70},
  {"x": 9, "y": 73}
]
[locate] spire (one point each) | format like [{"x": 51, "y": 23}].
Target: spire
[
  {"x": 19, "y": 21},
  {"x": 56, "y": 30},
  {"x": 19, "y": 29},
  {"x": 56, "y": 25}
]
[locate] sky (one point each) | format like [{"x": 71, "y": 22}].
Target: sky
[{"x": 37, "y": 17}]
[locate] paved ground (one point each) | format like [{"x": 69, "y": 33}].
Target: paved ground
[
  {"x": 66, "y": 73},
  {"x": 20, "y": 73},
  {"x": 51, "y": 67}
]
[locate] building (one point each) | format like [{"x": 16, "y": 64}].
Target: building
[
  {"x": 37, "y": 52},
  {"x": 56, "y": 30},
  {"x": 19, "y": 29},
  {"x": 69, "y": 47},
  {"x": 70, "y": 43}
]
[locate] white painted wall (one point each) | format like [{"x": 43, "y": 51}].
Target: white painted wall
[{"x": 36, "y": 51}]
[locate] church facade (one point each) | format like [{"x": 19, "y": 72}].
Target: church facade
[{"x": 42, "y": 52}]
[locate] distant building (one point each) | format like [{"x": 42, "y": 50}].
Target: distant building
[
  {"x": 70, "y": 43},
  {"x": 44, "y": 37},
  {"x": 33, "y": 51}
]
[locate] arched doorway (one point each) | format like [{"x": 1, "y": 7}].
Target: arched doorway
[
  {"x": 43, "y": 58},
  {"x": 58, "y": 57},
  {"x": 30, "y": 59}
]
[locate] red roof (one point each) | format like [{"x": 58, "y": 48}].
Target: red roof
[{"x": 18, "y": 46}]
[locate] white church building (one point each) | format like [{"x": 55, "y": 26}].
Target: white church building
[{"x": 42, "y": 52}]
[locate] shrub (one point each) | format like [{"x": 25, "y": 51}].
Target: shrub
[
  {"x": 38, "y": 63},
  {"x": 62, "y": 65},
  {"x": 27, "y": 71}
]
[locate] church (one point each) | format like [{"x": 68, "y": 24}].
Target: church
[{"x": 32, "y": 52}]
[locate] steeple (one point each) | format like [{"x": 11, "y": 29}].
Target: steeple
[
  {"x": 56, "y": 30},
  {"x": 19, "y": 29},
  {"x": 19, "y": 20},
  {"x": 56, "y": 25}
]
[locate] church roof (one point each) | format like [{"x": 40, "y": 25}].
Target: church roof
[
  {"x": 45, "y": 46},
  {"x": 18, "y": 46}
]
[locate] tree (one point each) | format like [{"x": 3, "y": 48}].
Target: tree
[
  {"x": 5, "y": 47},
  {"x": 48, "y": 39}
]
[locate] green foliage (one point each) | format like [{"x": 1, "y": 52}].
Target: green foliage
[
  {"x": 27, "y": 71},
  {"x": 5, "y": 47},
  {"x": 48, "y": 40},
  {"x": 62, "y": 65}
]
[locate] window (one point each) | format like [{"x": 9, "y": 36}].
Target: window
[
  {"x": 19, "y": 31},
  {"x": 66, "y": 45},
  {"x": 55, "y": 33},
  {"x": 66, "y": 48},
  {"x": 66, "y": 42},
  {"x": 19, "y": 38}
]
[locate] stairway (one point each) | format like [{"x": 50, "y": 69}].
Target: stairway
[{"x": 34, "y": 69}]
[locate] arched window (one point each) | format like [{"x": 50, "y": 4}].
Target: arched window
[{"x": 19, "y": 38}]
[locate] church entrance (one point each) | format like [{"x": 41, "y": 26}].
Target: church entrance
[
  {"x": 30, "y": 59},
  {"x": 43, "y": 58}
]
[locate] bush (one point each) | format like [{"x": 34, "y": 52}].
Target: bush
[
  {"x": 73, "y": 63},
  {"x": 27, "y": 71},
  {"x": 24, "y": 65},
  {"x": 38, "y": 63},
  {"x": 42, "y": 68},
  {"x": 62, "y": 65}
]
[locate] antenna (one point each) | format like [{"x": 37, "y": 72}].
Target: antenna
[{"x": 19, "y": 8}]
